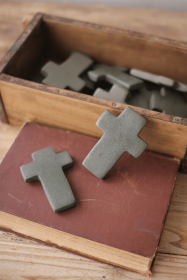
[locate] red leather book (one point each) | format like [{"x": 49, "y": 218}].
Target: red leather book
[{"x": 118, "y": 220}]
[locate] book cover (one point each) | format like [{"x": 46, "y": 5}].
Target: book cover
[{"x": 118, "y": 220}]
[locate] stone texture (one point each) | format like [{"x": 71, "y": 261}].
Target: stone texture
[
  {"x": 169, "y": 102},
  {"x": 116, "y": 93},
  {"x": 67, "y": 74},
  {"x": 180, "y": 87},
  {"x": 114, "y": 75},
  {"x": 140, "y": 98},
  {"x": 152, "y": 77},
  {"x": 47, "y": 168},
  {"x": 120, "y": 136}
]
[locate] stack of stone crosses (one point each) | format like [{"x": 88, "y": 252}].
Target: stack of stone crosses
[{"x": 116, "y": 83}]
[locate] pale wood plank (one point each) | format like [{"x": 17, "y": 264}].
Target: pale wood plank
[
  {"x": 76, "y": 244},
  {"x": 21, "y": 258},
  {"x": 142, "y": 20},
  {"x": 174, "y": 237},
  {"x": 7, "y": 136}
]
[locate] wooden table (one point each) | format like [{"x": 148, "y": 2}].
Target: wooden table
[{"x": 21, "y": 258}]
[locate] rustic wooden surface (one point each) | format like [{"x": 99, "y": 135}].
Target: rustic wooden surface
[{"x": 21, "y": 258}]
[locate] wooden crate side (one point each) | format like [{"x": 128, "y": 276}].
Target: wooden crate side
[
  {"x": 26, "y": 20},
  {"x": 19, "y": 57},
  {"x": 91, "y": 99},
  {"x": 26, "y": 104},
  {"x": 118, "y": 47},
  {"x": 12, "y": 63},
  {"x": 3, "y": 116}
]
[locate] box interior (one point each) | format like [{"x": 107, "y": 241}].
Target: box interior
[
  {"x": 55, "y": 40},
  {"x": 51, "y": 38}
]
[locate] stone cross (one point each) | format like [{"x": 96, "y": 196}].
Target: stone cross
[
  {"x": 180, "y": 87},
  {"x": 152, "y": 77},
  {"x": 67, "y": 74},
  {"x": 140, "y": 98},
  {"x": 169, "y": 102},
  {"x": 47, "y": 168},
  {"x": 114, "y": 75},
  {"x": 120, "y": 136},
  {"x": 116, "y": 93}
]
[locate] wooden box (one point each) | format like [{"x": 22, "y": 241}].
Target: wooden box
[{"x": 48, "y": 37}]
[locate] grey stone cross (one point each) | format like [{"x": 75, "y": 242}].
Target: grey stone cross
[
  {"x": 120, "y": 136},
  {"x": 116, "y": 93},
  {"x": 140, "y": 98},
  {"x": 152, "y": 77},
  {"x": 168, "y": 101},
  {"x": 67, "y": 74},
  {"x": 180, "y": 87},
  {"x": 47, "y": 168},
  {"x": 114, "y": 75}
]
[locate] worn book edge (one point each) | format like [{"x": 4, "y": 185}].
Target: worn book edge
[{"x": 73, "y": 243}]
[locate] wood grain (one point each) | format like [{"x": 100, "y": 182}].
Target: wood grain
[
  {"x": 23, "y": 103},
  {"x": 21, "y": 258},
  {"x": 56, "y": 110},
  {"x": 132, "y": 49},
  {"x": 68, "y": 241},
  {"x": 7, "y": 136},
  {"x": 150, "y": 21},
  {"x": 174, "y": 237}
]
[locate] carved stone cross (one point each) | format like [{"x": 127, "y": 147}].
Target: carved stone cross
[
  {"x": 120, "y": 136},
  {"x": 116, "y": 93},
  {"x": 47, "y": 168},
  {"x": 114, "y": 75},
  {"x": 168, "y": 101},
  {"x": 180, "y": 87},
  {"x": 67, "y": 73},
  {"x": 152, "y": 77},
  {"x": 141, "y": 98}
]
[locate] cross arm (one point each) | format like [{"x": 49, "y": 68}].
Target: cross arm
[
  {"x": 77, "y": 84},
  {"x": 29, "y": 172},
  {"x": 138, "y": 146},
  {"x": 132, "y": 123},
  {"x": 105, "y": 121},
  {"x": 124, "y": 80},
  {"x": 64, "y": 160},
  {"x": 97, "y": 74}
]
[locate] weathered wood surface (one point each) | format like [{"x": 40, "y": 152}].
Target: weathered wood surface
[
  {"x": 167, "y": 24},
  {"x": 24, "y": 259},
  {"x": 21, "y": 258}
]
